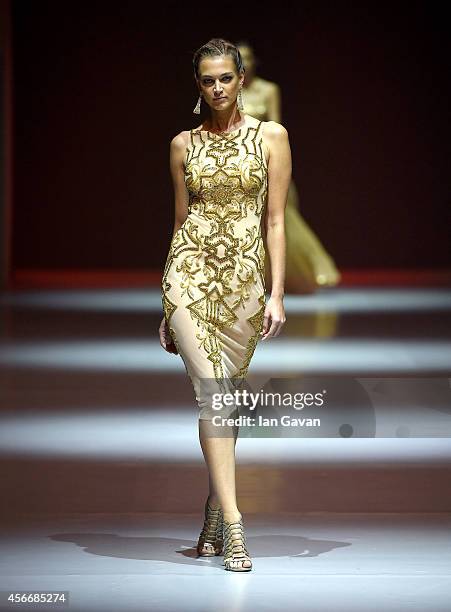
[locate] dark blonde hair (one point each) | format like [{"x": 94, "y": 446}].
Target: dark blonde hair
[{"x": 216, "y": 47}]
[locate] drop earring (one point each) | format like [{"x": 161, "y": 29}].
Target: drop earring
[
  {"x": 240, "y": 101},
  {"x": 196, "y": 110}
]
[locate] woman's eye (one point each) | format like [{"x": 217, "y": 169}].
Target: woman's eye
[{"x": 209, "y": 81}]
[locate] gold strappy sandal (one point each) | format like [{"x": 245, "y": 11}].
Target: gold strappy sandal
[
  {"x": 235, "y": 551},
  {"x": 211, "y": 539}
]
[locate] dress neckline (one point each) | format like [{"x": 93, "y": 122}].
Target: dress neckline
[{"x": 226, "y": 135}]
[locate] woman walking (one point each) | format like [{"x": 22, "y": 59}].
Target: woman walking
[{"x": 231, "y": 176}]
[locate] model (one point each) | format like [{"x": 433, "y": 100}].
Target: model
[
  {"x": 308, "y": 264},
  {"x": 231, "y": 176}
]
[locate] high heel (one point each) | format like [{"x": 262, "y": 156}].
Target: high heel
[
  {"x": 235, "y": 550},
  {"x": 210, "y": 541}
]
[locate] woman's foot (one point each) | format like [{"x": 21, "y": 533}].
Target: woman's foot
[
  {"x": 210, "y": 541},
  {"x": 236, "y": 555},
  {"x": 232, "y": 517}
]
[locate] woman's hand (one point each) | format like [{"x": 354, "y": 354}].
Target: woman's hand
[
  {"x": 274, "y": 318},
  {"x": 166, "y": 340}
]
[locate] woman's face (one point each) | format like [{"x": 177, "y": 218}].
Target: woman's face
[{"x": 218, "y": 81}]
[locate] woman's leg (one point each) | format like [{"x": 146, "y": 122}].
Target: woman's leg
[{"x": 219, "y": 454}]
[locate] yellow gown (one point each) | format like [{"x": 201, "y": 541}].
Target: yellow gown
[
  {"x": 308, "y": 264},
  {"x": 213, "y": 285}
]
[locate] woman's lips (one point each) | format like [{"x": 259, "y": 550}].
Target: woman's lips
[{"x": 217, "y": 99}]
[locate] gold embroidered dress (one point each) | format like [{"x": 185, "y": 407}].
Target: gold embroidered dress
[{"x": 213, "y": 286}]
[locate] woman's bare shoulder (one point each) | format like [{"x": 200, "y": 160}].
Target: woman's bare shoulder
[
  {"x": 274, "y": 130},
  {"x": 180, "y": 140}
]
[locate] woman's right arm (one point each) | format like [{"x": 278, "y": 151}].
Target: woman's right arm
[{"x": 181, "y": 196}]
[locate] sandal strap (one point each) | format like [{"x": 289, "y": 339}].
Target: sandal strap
[
  {"x": 213, "y": 525},
  {"x": 235, "y": 547}
]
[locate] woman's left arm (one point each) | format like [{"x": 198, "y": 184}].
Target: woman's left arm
[{"x": 279, "y": 176}]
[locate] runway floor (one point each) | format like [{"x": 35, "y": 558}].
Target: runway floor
[
  {"x": 103, "y": 480},
  {"x": 346, "y": 562}
]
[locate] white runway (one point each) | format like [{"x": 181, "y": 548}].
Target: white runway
[{"x": 301, "y": 562}]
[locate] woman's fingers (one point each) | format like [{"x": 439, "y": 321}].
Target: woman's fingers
[
  {"x": 275, "y": 323},
  {"x": 171, "y": 348},
  {"x": 274, "y": 330},
  {"x": 161, "y": 334},
  {"x": 166, "y": 340}
]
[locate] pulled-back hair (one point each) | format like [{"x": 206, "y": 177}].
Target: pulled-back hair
[{"x": 217, "y": 47}]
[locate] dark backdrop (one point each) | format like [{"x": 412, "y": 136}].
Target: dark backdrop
[{"x": 102, "y": 87}]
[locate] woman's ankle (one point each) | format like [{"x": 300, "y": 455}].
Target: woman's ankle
[
  {"x": 213, "y": 502},
  {"x": 232, "y": 516}
]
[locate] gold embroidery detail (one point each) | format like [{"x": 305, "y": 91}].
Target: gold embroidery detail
[{"x": 215, "y": 264}]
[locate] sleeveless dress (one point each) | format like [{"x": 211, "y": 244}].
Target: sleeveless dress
[{"x": 213, "y": 285}]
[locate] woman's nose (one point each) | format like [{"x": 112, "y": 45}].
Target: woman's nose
[{"x": 218, "y": 86}]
